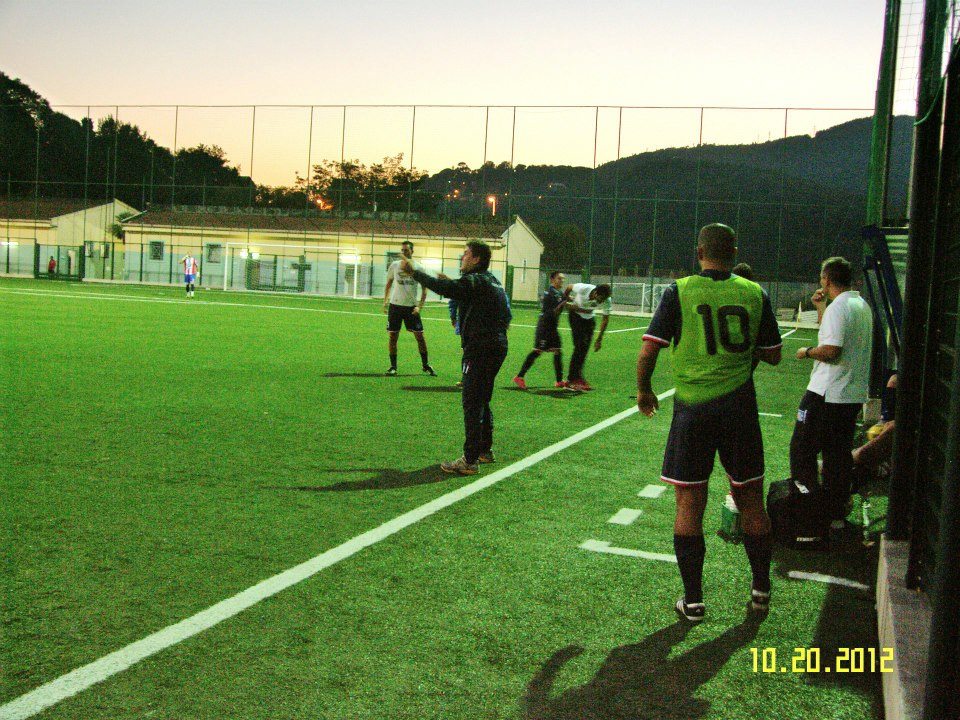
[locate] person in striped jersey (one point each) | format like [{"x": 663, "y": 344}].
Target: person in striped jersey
[{"x": 190, "y": 270}]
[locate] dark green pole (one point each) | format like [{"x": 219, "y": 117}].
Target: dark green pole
[
  {"x": 923, "y": 213},
  {"x": 882, "y": 117}
]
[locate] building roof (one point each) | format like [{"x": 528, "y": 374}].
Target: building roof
[
  {"x": 363, "y": 227},
  {"x": 44, "y": 209}
]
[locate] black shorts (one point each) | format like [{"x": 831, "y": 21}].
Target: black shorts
[
  {"x": 401, "y": 314},
  {"x": 547, "y": 336},
  {"x": 728, "y": 425}
]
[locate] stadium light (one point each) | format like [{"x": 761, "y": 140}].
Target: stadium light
[
  {"x": 348, "y": 259},
  {"x": 244, "y": 254},
  {"x": 492, "y": 199}
]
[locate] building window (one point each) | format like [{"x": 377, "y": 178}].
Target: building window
[
  {"x": 214, "y": 253},
  {"x": 156, "y": 250}
]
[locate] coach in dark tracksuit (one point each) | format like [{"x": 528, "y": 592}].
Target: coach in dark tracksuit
[{"x": 483, "y": 314}]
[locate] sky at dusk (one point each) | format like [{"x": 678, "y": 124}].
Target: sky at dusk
[{"x": 773, "y": 53}]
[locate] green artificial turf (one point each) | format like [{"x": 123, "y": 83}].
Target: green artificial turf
[{"x": 162, "y": 455}]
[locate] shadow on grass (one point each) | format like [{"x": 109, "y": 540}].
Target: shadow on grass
[
  {"x": 433, "y": 388},
  {"x": 366, "y": 375},
  {"x": 381, "y": 479},
  {"x": 557, "y": 393},
  {"x": 848, "y": 616},
  {"x": 640, "y": 680}
]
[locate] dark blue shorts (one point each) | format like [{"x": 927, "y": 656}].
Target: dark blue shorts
[
  {"x": 728, "y": 425},
  {"x": 547, "y": 336},
  {"x": 398, "y": 315}
]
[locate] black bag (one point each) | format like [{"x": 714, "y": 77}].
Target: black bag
[{"x": 798, "y": 516}]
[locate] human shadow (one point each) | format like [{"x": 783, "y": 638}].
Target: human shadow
[
  {"x": 365, "y": 375},
  {"x": 433, "y": 388},
  {"x": 847, "y": 616},
  {"x": 639, "y": 681},
  {"x": 555, "y": 393},
  {"x": 380, "y": 479}
]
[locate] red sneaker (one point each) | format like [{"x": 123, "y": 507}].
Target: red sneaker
[
  {"x": 584, "y": 385},
  {"x": 560, "y": 384},
  {"x": 520, "y": 382},
  {"x": 574, "y": 385}
]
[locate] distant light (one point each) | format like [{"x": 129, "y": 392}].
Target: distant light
[
  {"x": 491, "y": 199},
  {"x": 11, "y": 243},
  {"x": 349, "y": 259},
  {"x": 255, "y": 255},
  {"x": 432, "y": 263},
  {"x": 244, "y": 254}
]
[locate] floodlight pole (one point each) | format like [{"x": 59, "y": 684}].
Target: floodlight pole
[{"x": 882, "y": 117}]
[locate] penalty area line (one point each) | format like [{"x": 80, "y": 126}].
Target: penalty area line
[{"x": 84, "y": 677}]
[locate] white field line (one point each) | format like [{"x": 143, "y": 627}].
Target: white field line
[
  {"x": 652, "y": 491},
  {"x": 632, "y": 329},
  {"x": 78, "y": 680},
  {"x": 776, "y": 415},
  {"x": 829, "y": 579},
  {"x": 625, "y": 516},
  {"x": 220, "y": 303},
  {"x": 600, "y": 546}
]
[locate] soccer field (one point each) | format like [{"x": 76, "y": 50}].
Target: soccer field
[{"x": 163, "y": 456}]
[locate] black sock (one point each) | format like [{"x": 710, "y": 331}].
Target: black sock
[
  {"x": 558, "y": 366},
  {"x": 759, "y": 550},
  {"x": 528, "y": 363},
  {"x": 393, "y": 360},
  {"x": 690, "y": 551},
  {"x": 423, "y": 358}
]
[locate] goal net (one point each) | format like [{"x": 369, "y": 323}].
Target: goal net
[
  {"x": 295, "y": 269},
  {"x": 643, "y": 297}
]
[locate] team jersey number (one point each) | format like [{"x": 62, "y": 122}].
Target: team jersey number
[{"x": 724, "y": 312}]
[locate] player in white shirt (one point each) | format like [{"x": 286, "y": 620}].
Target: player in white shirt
[
  {"x": 190, "y": 270},
  {"x": 402, "y": 307},
  {"x": 585, "y": 300},
  {"x": 839, "y": 385}
]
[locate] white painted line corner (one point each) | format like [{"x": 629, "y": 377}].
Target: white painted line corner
[
  {"x": 625, "y": 516},
  {"x": 652, "y": 491},
  {"x": 600, "y": 546},
  {"x": 829, "y": 579}
]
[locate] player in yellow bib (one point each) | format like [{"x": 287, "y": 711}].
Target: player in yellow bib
[{"x": 720, "y": 326}]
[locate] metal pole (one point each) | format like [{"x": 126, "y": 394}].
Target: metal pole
[
  {"x": 173, "y": 176},
  {"x": 616, "y": 197},
  {"x": 593, "y": 194},
  {"x": 253, "y": 135},
  {"x": 904, "y": 489},
  {"x": 882, "y": 117},
  {"x": 696, "y": 204}
]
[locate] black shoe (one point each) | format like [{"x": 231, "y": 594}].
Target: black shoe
[
  {"x": 391, "y": 371},
  {"x": 429, "y": 371},
  {"x": 691, "y": 612}
]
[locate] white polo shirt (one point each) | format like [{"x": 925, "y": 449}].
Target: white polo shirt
[
  {"x": 848, "y": 324},
  {"x": 405, "y": 290},
  {"x": 580, "y": 296}
]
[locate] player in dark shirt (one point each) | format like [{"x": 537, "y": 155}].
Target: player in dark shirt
[{"x": 547, "y": 337}]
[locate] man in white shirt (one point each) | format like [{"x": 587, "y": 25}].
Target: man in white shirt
[
  {"x": 839, "y": 385},
  {"x": 585, "y": 300},
  {"x": 402, "y": 308}
]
